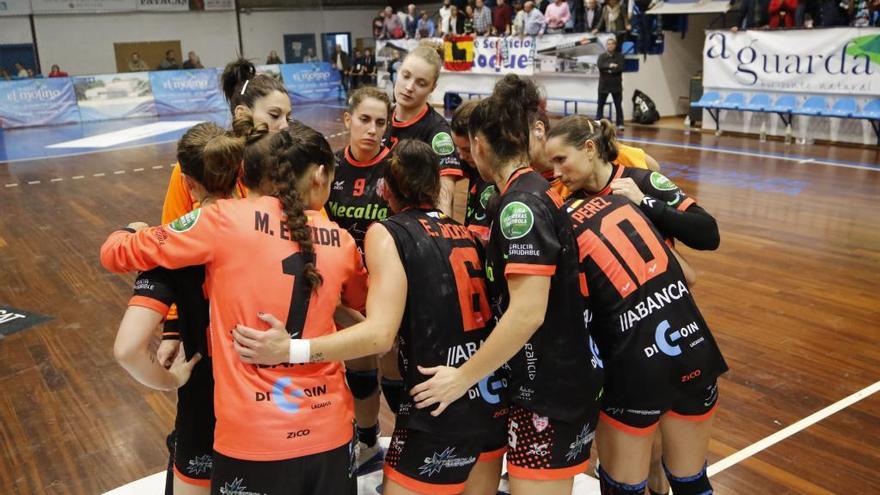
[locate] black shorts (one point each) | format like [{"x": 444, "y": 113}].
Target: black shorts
[
  {"x": 316, "y": 474},
  {"x": 540, "y": 448},
  {"x": 194, "y": 427},
  {"x": 433, "y": 464},
  {"x": 697, "y": 405}
]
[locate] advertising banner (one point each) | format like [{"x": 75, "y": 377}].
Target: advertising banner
[
  {"x": 15, "y": 7},
  {"x": 187, "y": 91},
  {"x": 317, "y": 81},
  {"x": 163, "y": 5},
  {"x": 837, "y": 61},
  {"x": 35, "y": 102},
  {"x": 82, "y": 6},
  {"x": 114, "y": 96}
]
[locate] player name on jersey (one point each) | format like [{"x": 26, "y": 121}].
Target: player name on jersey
[{"x": 320, "y": 235}]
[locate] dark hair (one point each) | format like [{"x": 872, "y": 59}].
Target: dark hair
[
  {"x": 413, "y": 175},
  {"x": 211, "y": 157},
  {"x": 233, "y": 80},
  {"x": 365, "y": 92},
  {"x": 506, "y": 117},
  {"x": 576, "y": 130},
  {"x": 280, "y": 159},
  {"x": 461, "y": 117}
]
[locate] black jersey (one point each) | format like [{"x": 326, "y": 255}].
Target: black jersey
[
  {"x": 446, "y": 320},
  {"x": 480, "y": 194},
  {"x": 651, "y": 337},
  {"x": 428, "y": 127},
  {"x": 159, "y": 288},
  {"x": 554, "y": 373},
  {"x": 355, "y": 202}
]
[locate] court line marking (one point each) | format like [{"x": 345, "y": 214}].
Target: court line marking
[
  {"x": 81, "y": 153},
  {"x": 790, "y": 430},
  {"x": 57, "y": 179},
  {"x": 732, "y": 151}
]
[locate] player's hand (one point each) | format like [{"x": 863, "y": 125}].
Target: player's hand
[
  {"x": 628, "y": 189},
  {"x": 443, "y": 388},
  {"x": 181, "y": 369},
  {"x": 168, "y": 350},
  {"x": 137, "y": 226},
  {"x": 268, "y": 347}
]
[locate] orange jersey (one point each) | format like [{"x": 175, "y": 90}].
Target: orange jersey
[
  {"x": 629, "y": 156},
  {"x": 263, "y": 413},
  {"x": 556, "y": 184}
]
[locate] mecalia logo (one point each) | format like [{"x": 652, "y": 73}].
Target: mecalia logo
[{"x": 752, "y": 63}]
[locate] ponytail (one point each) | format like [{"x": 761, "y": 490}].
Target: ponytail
[{"x": 210, "y": 157}]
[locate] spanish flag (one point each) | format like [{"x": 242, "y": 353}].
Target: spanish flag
[{"x": 458, "y": 53}]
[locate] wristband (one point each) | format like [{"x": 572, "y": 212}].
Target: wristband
[{"x": 300, "y": 351}]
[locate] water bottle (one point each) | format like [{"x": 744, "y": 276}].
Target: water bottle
[
  {"x": 687, "y": 125},
  {"x": 763, "y": 132},
  {"x": 788, "y": 134}
]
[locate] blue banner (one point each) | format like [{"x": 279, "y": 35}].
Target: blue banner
[
  {"x": 34, "y": 102},
  {"x": 187, "y": 91},
  {"x": 317, "y": 81},
  {"x": 114, "y": 96}
]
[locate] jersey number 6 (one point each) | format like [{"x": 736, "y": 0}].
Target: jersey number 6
[{"x": 471, "y": 286}]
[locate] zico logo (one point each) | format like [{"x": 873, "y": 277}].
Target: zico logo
[
  {"x": 283, "y": 389},
  {"x": 666, "y": 341}
]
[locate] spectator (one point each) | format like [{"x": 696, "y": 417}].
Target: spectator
[
  {"x": 859, "y": 13},
  {"x": 4, "y": 74},
  {"x": 340, "y": 61},
  {"x": 425, "y": 28},
  {"x": 57, "y": 72},
  {"x": 356, "y": 70},
  {"x": 273, "y": 58},
  {"x": 610, "y": 66},
  {"x": 369, "y": 74},
  {"x": 782, "y": 13},
  {"x": 20, "y": 71},
  {"x": 518, "y": 28},
  {"x": 557, "y": 16},
  {"x": 392, "y": 28},
  {"x": 169, "y": 62},
  {"x": 502, "y": 17},
  {"x": 310, "y": 56},
  {"x": 592, "y": 15},
  {"x": 412, "y": 21},
  {"x": 193, "y": 61},
  {"x": 445, "y": 13},
  {"x": 393, "y": 66},
  {"x": 468, "y": 20},
  {"x": 874, "y": 9},
  {"x": 615, "y": 18},
  {"x": 482, "y": 19},
  {"x": 753, "y": 14},
  {"x": 455, "y": 22},
  {"x": 535, "y": 24},
  {"x": 379, "y": 25},
  {"x": 135, "y": 64}
]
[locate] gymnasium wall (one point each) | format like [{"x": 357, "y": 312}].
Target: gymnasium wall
[{"x": 15, "y": 30}]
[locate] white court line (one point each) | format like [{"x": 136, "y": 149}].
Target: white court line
[
  {"x": 57, "y": 179},
  {"x": 110, "y": 139},
  {"x": 792, "y": 429},
  {"x": 32, "y": 182},
  {"x": 707, "y": 148},
  {"x": 138, "y": 170},
  {"x": 99, "y": 174},
  {"x": 78, "y": 177},
  {"x": 119, "y": 172},
  {"x": 157, "y": 167},
  {"x": 14, "y": 184}
]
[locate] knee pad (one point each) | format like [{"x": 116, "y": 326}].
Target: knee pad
[
  {"x": 393, "y": 392},
  {"x": 612, "y": 487},
  {"x": 363, "y": 384},
  {"x": 697, "y": 484}
]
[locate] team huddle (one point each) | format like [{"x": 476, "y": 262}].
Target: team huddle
[{"x": 294, "y": 286}]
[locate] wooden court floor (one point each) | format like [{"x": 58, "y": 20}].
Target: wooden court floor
[{"x": 790, "y": 295}]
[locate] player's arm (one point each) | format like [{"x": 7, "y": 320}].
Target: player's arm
[
  {"x": 690, "y": 275},
  {"x": 653, "y": 165},
  {"x": 450, "y": 168},
  {"x": 446, "y": 199},
  {"x": 385, "y": 304},
  {"x": 189, "y": 240},
  {"x": 135, "y": 352}
]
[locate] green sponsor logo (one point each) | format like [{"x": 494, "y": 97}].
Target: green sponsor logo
[
  {"x": 865, "y": 46},
  {"x": 516, "y": 220},
  {"x": 486, "y": 195},
  {"x": 660, "y": 182},
  {"x": 442, "y": 144},
  {"x": 185, "y": 222}
]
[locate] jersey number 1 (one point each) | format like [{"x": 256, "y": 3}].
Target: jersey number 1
[
  {"x": 471, "y": 287},
  {"x": 589, "y": 244},
  {"x": 294, "y": 265}
]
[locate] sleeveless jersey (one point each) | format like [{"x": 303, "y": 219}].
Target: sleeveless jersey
[
  {"x": 651, "y": 337},
  {"x": 446, "y": 320},
  {"x": 481, "y": 194},
  {"x": 554, "y": 374},
  {"x": 428, "y": 127},
  {"x": 354, "y": 201}
]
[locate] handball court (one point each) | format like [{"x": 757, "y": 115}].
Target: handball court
[{"x": 790, "y": 296}]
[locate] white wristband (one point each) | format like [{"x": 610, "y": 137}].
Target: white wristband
[{"x": 300, "y": 351}]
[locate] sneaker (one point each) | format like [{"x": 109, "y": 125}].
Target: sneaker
[{"x": 368, "y": 459}]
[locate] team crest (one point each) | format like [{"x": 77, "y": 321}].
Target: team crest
[
  {"x": 185, "y": 222},
  {"x": 541, "y": 422},
  {"x": 517, "y": 220},
  {"x": 660, "y": 182},
  {"x": 442, "y": 144}
]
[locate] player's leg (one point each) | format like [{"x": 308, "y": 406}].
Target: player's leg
[
  {"x": 625, "y": 455},
  {"x": 657, "y": 484},
  {"x": 363, "y": 379},
  {"x": 686, "y": 429},
  {"x": 486, "y": 474}
]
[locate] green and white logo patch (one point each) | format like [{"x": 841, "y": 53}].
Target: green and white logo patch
[
  {"x": 442, "y": 144},
  {"x": 185, "y": 222},
  {"x": 486, "y": 195},
  {"x": 517, "y": 220},
  {"x": 660, "y": 182}
]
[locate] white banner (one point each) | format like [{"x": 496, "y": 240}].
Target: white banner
[
  {"x": 15, "y": 7},
  {"x": 81, "y": 6},
  {"x": 821, "y": 61},
  {"x": 510, "y": 55},
  {"x": 163, "y": 5}
]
